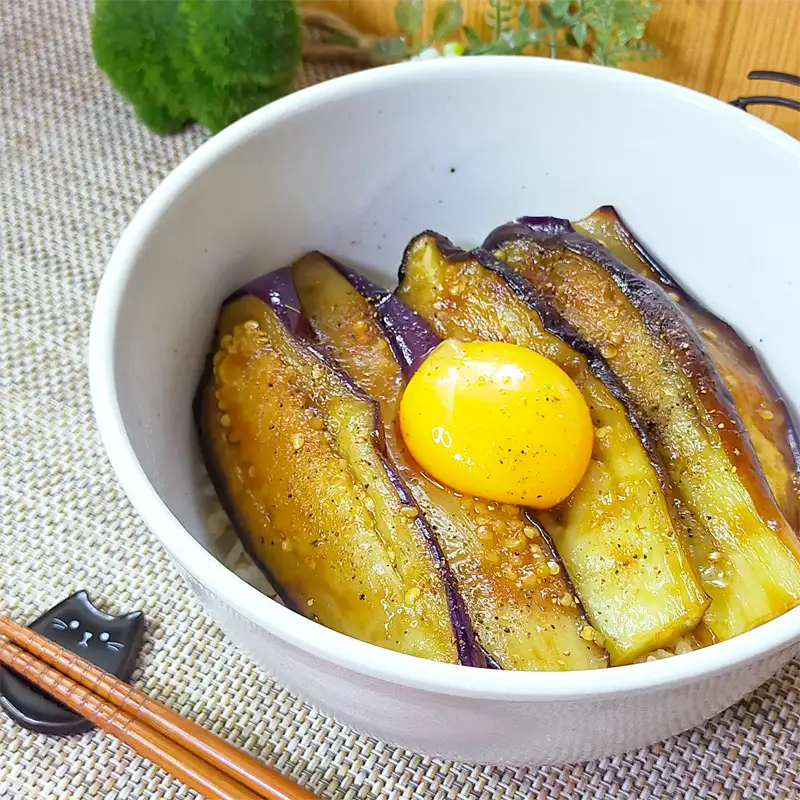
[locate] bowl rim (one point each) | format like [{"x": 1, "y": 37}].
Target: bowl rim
[{"x": 301, "y": 632}]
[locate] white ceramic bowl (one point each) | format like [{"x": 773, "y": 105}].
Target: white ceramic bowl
[{"x": 356, "y": 167}]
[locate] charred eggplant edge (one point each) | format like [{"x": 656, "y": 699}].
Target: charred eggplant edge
[
  {"x": 556, "y": 325},
  {"x": 276, "y": 289},
  {"x": 392, "y": 315},
  {"x": 664, "y": 319},
  {"x": 744, "y": 350}
]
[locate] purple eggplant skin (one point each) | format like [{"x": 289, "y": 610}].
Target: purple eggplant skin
[
  {"x": 409, "y": 336},
  {"x": 552, "y": 321},
  {"x": 741, "y": 542},
  {"x": 510, "y": 595},
  {"x": 276, "y": 290},
  {"x": 555, "y": 324},
  {"x": 601, "y": 540},
  {"x": 664, "y": 319},
  {"x": 764, "y": 414}
]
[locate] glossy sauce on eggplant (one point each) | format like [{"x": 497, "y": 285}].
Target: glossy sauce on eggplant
[
  {"x": 522, "y": 605},
  {"x": 617, "y": 532},
  {"x": 745, "y": 550}
]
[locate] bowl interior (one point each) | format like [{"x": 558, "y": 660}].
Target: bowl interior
[{"x": 357, "y": 167}]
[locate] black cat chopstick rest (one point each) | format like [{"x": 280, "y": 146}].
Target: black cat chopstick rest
[{"x": 111, "y": 643}]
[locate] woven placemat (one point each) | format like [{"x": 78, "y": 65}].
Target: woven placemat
[{"x": 74, "y": 166}]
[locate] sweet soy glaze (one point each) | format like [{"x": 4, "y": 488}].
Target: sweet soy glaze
[{"x": 497, "y": 421}]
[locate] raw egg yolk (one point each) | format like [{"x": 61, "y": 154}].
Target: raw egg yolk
[{"x": 497, "y": 421}]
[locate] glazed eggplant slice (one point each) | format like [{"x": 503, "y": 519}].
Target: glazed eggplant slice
[
  {"x": 296, "y": 454},
  {"x": 520, "y": 600},
  {"x": 745, "y": 550},
  {"x": 764, "y": 414},
  {"x": 616, "y": 532}
]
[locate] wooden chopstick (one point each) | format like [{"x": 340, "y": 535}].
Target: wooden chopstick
[{"x": 197, "y": 757}]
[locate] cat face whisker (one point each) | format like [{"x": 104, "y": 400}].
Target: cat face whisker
[
  {"x": 59, "y": 624},
  {"x": 115, "y": 646}
]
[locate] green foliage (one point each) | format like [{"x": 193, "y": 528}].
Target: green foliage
[
  {"x": 608, "y": 31},
  {"x": 409, "y": 15},
  {"x": 448, "y": 20},
  {"x": 623, "y": 40},
  {"x": 181, "y": 60},
  {"x": 213, "y": 61},
  {"x": 393, "y": 48}
]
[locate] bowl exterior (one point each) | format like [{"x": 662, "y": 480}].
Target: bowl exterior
[
  {"x": 356, "y": 167},
  {"x": 480, "y": 731}
]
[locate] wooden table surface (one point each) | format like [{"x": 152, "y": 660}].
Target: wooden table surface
[{"x": 708, "y": 45}]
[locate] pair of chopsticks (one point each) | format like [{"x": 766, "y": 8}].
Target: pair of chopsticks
[{"x": 197, "y": 757}]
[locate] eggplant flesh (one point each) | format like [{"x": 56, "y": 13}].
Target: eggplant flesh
[
  {"x": 294, "y": 451},
  {"x": 764, "y": 414},
  {"x": 521, "y": 603},
  {"x": 742, "y": 545},
  {"x": 616, "y": 533}
]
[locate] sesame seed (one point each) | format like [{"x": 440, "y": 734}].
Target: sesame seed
[
  {"x": 515, "y": 525},
  {"x": 252, "y": 472},
  {"x": 608, "y": 351},
  {"x": 588, "y": 633},
  {"x": 286, "y": 546},
  {"x": 714, "y": 556},
  {"x": 310, "y": 602},
  {"x": 512, "y": 543}
]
